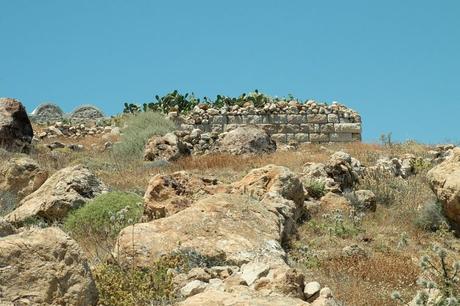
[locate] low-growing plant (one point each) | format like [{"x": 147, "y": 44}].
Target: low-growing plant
[
  {"x": 430, "y": 217},
  {"x": 441, "y": 281},
  {"x": 102, "y": 218},
  {"x": 125, "y": 286},
  {"x": 8, "y": 202},
  {"x": 385, "y": 186},
  {"x": 140, "y": 128},
  {"x": 315, "y": 188}
]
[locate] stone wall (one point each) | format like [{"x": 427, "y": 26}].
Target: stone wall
[
  {"x": 285, "y": 122},
  {"x": 50, "y": 113}
]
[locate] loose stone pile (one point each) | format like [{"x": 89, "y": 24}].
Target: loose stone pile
[
  {"x": 283, "y": 121},
  {"x": 76, "y": 131}
]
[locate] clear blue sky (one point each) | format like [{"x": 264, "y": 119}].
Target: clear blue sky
[{"x": 396, "y": 62}]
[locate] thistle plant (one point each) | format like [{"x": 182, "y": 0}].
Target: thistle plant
[{"x": 441, "y": 284}]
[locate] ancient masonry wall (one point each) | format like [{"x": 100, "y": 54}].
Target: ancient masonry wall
[{"x": 284, "y": 122}]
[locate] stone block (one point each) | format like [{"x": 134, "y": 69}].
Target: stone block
[
  {"x": 289, "y": 128},
  {"x": 218, "y": 119},
  {"x": 317, "y": 118},
  {"x": 295, "y": 119},
  {"x": 344, "y": 120},
  {"x": 269, "y": 128},
  {"x": 290, "y": 138},
  {"x": 313, "y": 128},
  {"x": 217, "y": 128},
  {"x": 356, "y": 136},
  {"x": 347, "y": 127},
  {"x": 279, "y": 138},
  {"x": 333, "y": 118},
  {"x": 302, "y": 137},
  {"x": 235, "y": 119},
  {"x": 305, "y": 128},
  {"x": 341, "y": 137},
  {"x": 326, "y": 128},
  {"x": 319, "y": 137}
]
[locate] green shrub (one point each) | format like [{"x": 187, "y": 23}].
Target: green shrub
[
  {"x": 430, "y": 217},
  {"x": 140, "y": 127},
  {"x": 315, "y": 188},
  {"x": 119, "y": 286},
  {"x": 102, "y": 218}
]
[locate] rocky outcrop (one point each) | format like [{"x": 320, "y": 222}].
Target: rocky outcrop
[
  {"x": 67, "y": 189},
  {"x": 21, "y": 176},
  {"x": 246, "y": 140},
  {"x": 168, "y": 147},
  {"x": 44, "y": 267},
  {"x": 169, "y": 194},
  {"x": 16, "y": 132},
  {"x": 340, "y": 173},
  {"x": 234, "y": 229},
  {"x": 399, "y": 167},
  {"x": 445, "y": 182}
]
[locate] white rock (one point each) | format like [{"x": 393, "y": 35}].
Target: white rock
[
  {"x": 192, "y": 288},
  {"x": 253, "y": 271}
]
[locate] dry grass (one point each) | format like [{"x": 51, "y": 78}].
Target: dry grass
[{"x": 355, "y": 281}]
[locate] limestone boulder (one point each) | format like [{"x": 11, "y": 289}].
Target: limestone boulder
[
  {"x": 340, "y": 169},
  {"x": 246, "y": 140},
  {"x": 168, "y": 147},
  {"x": 445, "y": 182},
  {"x": 240, "y": 296},
  {"x": 228, "y": 228},
  {"x": 171, "y": 193},
  {"x": 272, "y": 179},
  {"x": 44, "y": 267},
  {"x": 16, "y": 131},
  {"x": 21, "y": 176},
  {"x": 67, "y": 189}
]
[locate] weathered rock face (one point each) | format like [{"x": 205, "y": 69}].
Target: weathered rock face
[
  {"x": 240, "y": 296},
  {"x": 246, "y": 140},
  {"x": 168, "y": 147},
  {"x": 445, "y": 182},
  {"x": 67, "y": 189},
  {"x": 340, "y": 168},
  {"x": 169, "y": 194},
  {"x": 340, "y": 173},
  {"x": 16, "y": 132},
  {"x": 272, "y": 179},
  {"x": 21, "y": 176},
  {"x": 232, "y": 228},
  {"x": 44, "y": 266}
]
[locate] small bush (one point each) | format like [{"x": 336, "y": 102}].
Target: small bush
[
  {"x": 120, "y": 286},
  {"x": 315, "y": 188},
  {"x": 102, "y": 218},
  {"x": 8, "y": 202},
  {"x": 140, "y": 127},
  {"x": 385, "y": 186},
  {"x": 430, "y": 218}
]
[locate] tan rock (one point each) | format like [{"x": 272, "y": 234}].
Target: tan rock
[
  {"x": 272, "y": 179},
  {"x": 242, "y": 297},
  {"x": 169, "y": 194},
  {"x": 233, "y": 228},
  {"x": 332, "y": 202},
  {"x": 67, "y": 189},
  {"x": 21, "y": 176},
  {"x": 445, "y": 182},
  {"x": 246, "y": 140},
  {"x": 168, "y": 147},
  {"x": 44, "y": 267}
]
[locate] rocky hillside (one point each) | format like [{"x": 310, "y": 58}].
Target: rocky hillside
[{"x": 138, "y": 212}]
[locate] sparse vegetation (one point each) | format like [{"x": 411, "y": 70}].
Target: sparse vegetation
[
  {"x": 100, "y": 220},
  {"x": 140, "y": 128}
]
